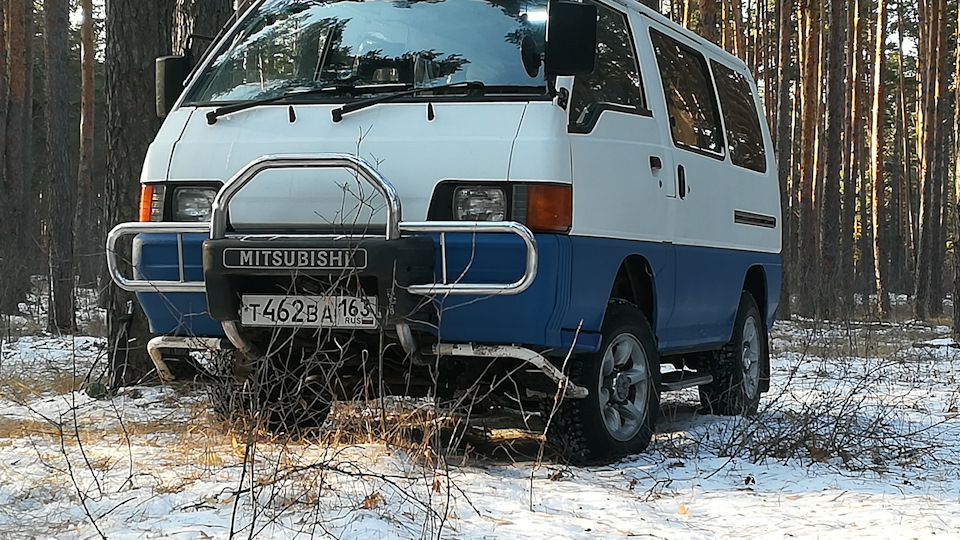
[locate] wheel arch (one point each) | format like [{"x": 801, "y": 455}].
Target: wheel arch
[
  {"x": 635, "y": 283},
  {"x": 755, "y": 283}
]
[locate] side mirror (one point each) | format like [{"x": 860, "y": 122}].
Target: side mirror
[
  {"x": 571, "y": 39},
  {"x": 172, "y": 71}
]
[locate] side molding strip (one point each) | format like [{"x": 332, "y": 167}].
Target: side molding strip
[{"x": 757, "y": 220}]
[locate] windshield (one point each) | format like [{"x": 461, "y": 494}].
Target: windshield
[{"x": 302, "y": 44}]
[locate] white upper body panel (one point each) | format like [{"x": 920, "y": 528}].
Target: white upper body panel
[{"x": 618, "y": 192}]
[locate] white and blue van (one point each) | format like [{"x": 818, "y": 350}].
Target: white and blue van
[{"x": 548, "y": 198}]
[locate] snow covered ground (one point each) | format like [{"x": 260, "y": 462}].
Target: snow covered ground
[{"x": 859, "y": 438}]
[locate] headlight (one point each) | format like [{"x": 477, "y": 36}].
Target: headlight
[
  {"x": 479, "y": 204},
  {"x": 193, "y": 203}
]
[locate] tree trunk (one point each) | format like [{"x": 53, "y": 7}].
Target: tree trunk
[
  {"x": 87, "y": 260},
  {"x": 14, "y": 257},
  {"x": 137, "y": 33},
  {"x": 808, "y": 252},
  {"x": 852, "y": 138},
  {"x": 929, "y": 128},
  {"x": 198, "y": 17},
  {"x": 956, "y": 190},
  {"x": 4, "y": 96},
  {"x": 908, "y": 219},
  {"x": 4, "y": 103},
  {"x": 833, "y": 157},
  {"x": 60, "y": 188},
  {"x": 939, "y": 157},
  {"x": 785, "y": 72},
  {"x": 708, "y": 21},
  {"x": 876, "y": 159}
]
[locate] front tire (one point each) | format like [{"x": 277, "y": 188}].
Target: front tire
[
  {"x": 619, "y": 415},
  {"x": 738, "y": 370}
]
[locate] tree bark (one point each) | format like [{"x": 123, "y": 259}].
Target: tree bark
[
  {"x": 851, "y": 142},
  {"x": 137, "y": 33},
  {"x": 60, "y": 188},
  {"x": 808, "y": 252},
  {"x": 4, "y": 96},
  {"x": 929, "y": 49},
  {"x": 939, "y": 158},
  {"x": 784, "y": 146},
  {"x": 86, "y": 265},
  {"x": 876, "y": 160},
  {"x": 833, "y": 157},
  {"x": 708, "y": 21},
  {"x": 739, "y": 40},
  {"x": 956, "y": 190},
  {"x": 14, "y": 258},
  {"x": 4, "y": 104},
  {"x": 198, "y": 17},
  {"x": 908, "y": 219}
]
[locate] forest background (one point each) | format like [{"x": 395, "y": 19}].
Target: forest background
[{"x": 860, "y": 95}]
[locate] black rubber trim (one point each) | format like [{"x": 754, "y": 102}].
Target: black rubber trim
[
  {"x": 390, "y": 266},
  {"x": 757, "y": 220},
  {"x": 596, "y": 110}
]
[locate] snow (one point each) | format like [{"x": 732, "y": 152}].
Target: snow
[{"x": 858, "y": 438}]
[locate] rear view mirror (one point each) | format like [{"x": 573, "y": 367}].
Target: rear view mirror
[
  {"x": 571, "y": 39},
  {"x": 172, "y": 71}
]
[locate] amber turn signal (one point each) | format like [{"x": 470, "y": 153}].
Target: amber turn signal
[
  {"x": 549, "y": 208},
  {"x": 151, "y": 202},
  {"x": 146, "y": 198}
]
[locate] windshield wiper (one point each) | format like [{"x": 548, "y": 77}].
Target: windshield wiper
[
  {"x": 364, "y": 103},
  {"x": 244, "y": 105}
]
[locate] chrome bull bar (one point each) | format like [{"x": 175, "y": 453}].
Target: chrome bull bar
[
  {"x": 216, "y": 228},
  {"x": 395, "y": 228}
]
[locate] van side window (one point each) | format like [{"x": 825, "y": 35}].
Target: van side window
[
  {"x": 691, "y": 103},
  {"x": 615, "y": 82},
  {"x": 744, "y": 138}
]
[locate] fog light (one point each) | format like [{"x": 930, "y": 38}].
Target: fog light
[{"x": 479, "y": 204}]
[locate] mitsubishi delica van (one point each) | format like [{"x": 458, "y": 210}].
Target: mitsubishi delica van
[{"x": 554, "y": 202}]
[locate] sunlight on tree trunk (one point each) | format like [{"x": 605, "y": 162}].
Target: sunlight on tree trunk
[
  {"x": 708, "y": 21},
  {"x": 808, "y": 256},
  {"x": 88, "y": 253},
  {"x": 876, "y": 159}
]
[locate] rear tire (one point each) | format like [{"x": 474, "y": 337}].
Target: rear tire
[
  {"x": 738, "y": 369},
  {"x": 619, "y": 415}
]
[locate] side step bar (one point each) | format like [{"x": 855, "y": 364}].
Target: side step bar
[
  {"x": 680, "y": 379},
  {"x": 156, "y": 345},
  {"x": 567, "y": 387}
]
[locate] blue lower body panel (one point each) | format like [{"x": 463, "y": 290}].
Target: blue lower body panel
[
  {"x": 696, "y": 290},
  {"x": 155, "y": 256}
]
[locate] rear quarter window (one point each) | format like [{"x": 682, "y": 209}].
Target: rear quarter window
[{"x": 744, "y": 136}]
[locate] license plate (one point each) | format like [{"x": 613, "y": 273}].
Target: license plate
[{"x": 309, "y": 311}]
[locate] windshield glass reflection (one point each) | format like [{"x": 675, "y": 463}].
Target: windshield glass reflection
[{"x": 303, "y": 44}]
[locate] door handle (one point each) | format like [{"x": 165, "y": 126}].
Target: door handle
[
  {"x": 655, "y": 163},
  {"x": 682, "y": 181}
]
